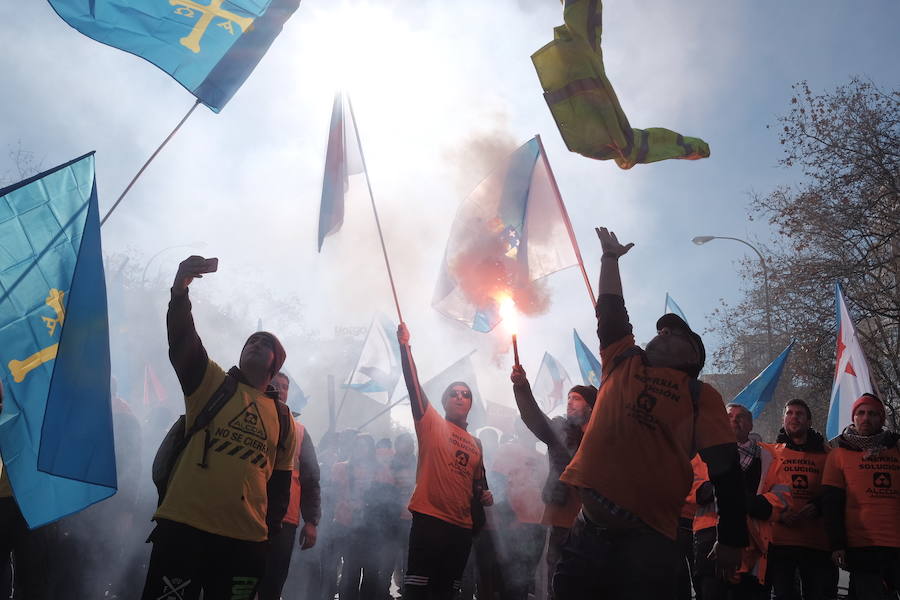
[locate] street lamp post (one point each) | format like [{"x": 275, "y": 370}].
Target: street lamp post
[{"x": 702, "y": 239}]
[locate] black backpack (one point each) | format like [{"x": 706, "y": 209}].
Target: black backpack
[{"x": 176, "y": 440}]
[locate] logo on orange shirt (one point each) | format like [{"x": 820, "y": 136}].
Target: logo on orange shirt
[
  {"x": 800, "y": 482},
  {"x": 881, "y": 480}
]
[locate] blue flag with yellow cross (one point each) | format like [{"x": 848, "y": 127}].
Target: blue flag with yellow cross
[
  {"x": 56, "y": 433},
  {"x": 208, "y": 46}
]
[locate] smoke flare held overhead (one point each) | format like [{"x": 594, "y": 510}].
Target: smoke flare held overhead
[{"x": 507, "y": 235}]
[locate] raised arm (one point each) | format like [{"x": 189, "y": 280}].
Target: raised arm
[
  {"x": 612, "y": 318},
  {"x": 186, "y": 351},
  {"x": 536, "y": 421},
  {"x": 418, "y": 402}
]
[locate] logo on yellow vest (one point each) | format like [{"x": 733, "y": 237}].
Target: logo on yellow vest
[
  {"x": 208, "y": 13},
  {"x": 21, "y": 368},
  {"x": 250, "y": 422}
]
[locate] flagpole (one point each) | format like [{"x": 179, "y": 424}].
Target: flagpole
[
  {"x": 387, "y": 263},
  {"x": 565, "y": 216},
  {"x": 149, "y": 160},
  {"x": 392, "y": 405},
  {"x": 353, "y": 372}
]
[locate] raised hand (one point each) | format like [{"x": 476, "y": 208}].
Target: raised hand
[
  {"x": 610, "y": 243},
  {"x": 190, "y": 268}
]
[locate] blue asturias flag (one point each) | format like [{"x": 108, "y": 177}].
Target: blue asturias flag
[
  {"x": 672, "y": 307},
  {"x": 587, "y": 362},
  {"x": 759, "y": 392},
  {"x": 56, "y": 434},
  {"x": 209, "y": 46}
]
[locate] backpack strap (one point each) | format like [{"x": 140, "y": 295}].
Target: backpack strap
[
  {"x": 215, "y": 403},
  {"x": 623, "y": 356}
]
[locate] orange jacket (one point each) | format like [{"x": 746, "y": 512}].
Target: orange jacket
[{"x": 775, "y": 487}]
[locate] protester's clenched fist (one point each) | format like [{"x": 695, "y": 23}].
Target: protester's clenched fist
[
  {"x": 487, "y": 498},
  {"x": 189, "y": 268},
  {"x": 403, "y": 334},
  {"x": 518, "y": 376}
]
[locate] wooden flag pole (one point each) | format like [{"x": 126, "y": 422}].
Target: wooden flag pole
[
  {"x": 387, "y": 262},
  {"x": 149, "y": 160},
  {"x": 568, "y": 222}
]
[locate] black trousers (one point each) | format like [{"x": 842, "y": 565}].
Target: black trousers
[
  {"x": 278, "y": 562},
  {"x": 438, "y": 552},
  {"x": 524, "y": 544},
  {"x": 814, "y": 566},
  {"x": 558, "y": 536},
  {"x": 873, "y": 572},
  {"x": 686, "y": 560},
  {"x": 633, "y": 563},
  {"x": 31, "y": 550},
  {"x": 186, "y": 560}
]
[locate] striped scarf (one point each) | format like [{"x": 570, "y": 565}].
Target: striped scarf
[
  {"x": 872, "y": 445},
  {"x": 747, "y": 452}
]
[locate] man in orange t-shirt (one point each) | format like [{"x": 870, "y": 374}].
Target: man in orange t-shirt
[
  {"x": 633, "y": 466},
  {"x": 450, "y": 479},
  {"x": 799, "y": 543},
  {"x": 862, "y": 501}
]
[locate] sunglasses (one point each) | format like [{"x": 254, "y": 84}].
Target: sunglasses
[{"x": 463, "y": 393}]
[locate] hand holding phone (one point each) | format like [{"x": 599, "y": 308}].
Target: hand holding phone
[{"x": 193, "y": 267}]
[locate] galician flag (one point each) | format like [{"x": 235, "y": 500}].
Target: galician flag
[
  {"x": 852, "y": 378},
  {"x": 509, "y": 233},
  {"x": 56, "y": 433},
  {"x": 208, "y": 46},
  {"x": 461, "y": 370},
  {"x": 378, "y": 369},
  {"x": 672, "y": 307},
  {"x": 587, "y": 362},
  {"x": 343, "y": 158},
  {"x": 551, "y": 386},
  {"x": 759, "y": 392}
]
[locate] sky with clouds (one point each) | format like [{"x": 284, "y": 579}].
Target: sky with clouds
[{"x": 441, "y": 91}]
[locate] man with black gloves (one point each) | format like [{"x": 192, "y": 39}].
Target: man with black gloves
[
  {"x": 862, "y": 501},
  {"x": 562, "y": 436},
  {"x": 230, "y": 486},
  {"x": 633, "y": 466},
  {"x": 799, "y": 543}
]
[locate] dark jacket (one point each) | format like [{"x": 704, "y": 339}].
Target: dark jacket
[{"x": 561, "y": 437}]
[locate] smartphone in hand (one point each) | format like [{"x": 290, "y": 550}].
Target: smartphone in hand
[{"x": 210, "y": 265}]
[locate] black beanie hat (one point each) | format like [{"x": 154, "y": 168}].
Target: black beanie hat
[{"x": 588, "y": 392}]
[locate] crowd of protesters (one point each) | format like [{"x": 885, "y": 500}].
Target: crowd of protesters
[{"x": 649, "y": 487}]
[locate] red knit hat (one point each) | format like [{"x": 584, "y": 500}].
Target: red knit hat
[{"x": 868, "y": 398}]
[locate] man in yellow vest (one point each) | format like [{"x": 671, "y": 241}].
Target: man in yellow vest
[{"x": 229, "y": 488}]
